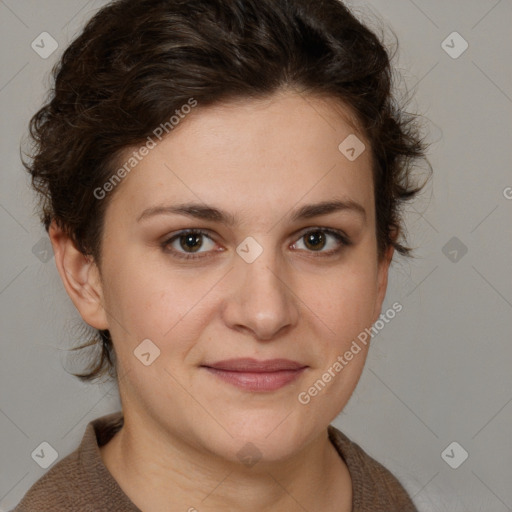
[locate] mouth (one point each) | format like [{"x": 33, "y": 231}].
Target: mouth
[{"x": 253, "y": 375}]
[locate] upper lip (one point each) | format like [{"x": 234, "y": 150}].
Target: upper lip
[{"x": 253, "y": 365}]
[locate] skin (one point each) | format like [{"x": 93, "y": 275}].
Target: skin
[{"x": 259, "y": 160}]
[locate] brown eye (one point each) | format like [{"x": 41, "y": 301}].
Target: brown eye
[
  {"x": 190, "y": 241},
  {"x": 315, "y": 240},
  {"x": 187, "y": 244}
]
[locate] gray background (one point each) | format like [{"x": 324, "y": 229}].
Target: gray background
[{"x": 439, "y": 372}]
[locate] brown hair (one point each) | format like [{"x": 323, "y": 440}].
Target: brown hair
[{"x": 137, "y": 61}]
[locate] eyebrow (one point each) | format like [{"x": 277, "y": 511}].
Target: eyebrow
[{"x": 206, "y": 212}]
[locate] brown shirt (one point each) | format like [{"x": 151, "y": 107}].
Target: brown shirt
[{"x": 81, "y": 482}]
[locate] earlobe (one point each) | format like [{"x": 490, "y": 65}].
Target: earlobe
[{"x": 80, "y": 276}]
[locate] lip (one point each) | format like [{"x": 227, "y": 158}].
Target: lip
[{"x": 253, "y": 375}]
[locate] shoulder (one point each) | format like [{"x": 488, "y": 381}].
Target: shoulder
[
  {"x": 55, "y": 488},
  {"x": 374, "y": 487},
  {"x": 80, "y": 481}
]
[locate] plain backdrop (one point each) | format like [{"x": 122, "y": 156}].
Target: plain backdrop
[{"x": 437, "y": 386}]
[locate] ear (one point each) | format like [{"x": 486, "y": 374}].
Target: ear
[
  {"x": 80, "y": 276},
  {"x": 382, "y": 281}
]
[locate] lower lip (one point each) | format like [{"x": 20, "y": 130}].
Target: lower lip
[{"x": 257, "y": 381}]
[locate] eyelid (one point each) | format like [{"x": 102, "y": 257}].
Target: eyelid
[
  {"x": 183, "y": 255},
  {"x": 331, "y": 231},
  {"x": 342, "y": 238}
]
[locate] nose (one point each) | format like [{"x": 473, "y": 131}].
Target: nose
[{"x": 261, "y": 302}]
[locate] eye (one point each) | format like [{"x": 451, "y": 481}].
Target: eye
[
  {"x": 186, "y": 244},
  {"x": 317, "y": 239}
]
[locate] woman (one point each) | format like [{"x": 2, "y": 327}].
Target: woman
[{"x": 221, "y": 181}]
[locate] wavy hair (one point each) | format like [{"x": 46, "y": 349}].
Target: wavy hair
[{"x": 137, "y": 61}]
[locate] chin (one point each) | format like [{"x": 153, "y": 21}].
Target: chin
[{"x": 265, "y": 436}]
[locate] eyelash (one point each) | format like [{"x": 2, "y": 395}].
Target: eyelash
[{"x": 340, "y": 237}]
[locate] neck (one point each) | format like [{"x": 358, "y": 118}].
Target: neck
[{"x": 155, "y": 470}]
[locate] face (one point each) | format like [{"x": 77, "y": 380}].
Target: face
[{"x": 255, "y": 281}]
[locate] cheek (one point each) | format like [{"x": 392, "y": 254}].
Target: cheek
[
  {"x": 346, "y": 308},
  {"x": 346, "y": 300},
  {"x": 150, "y": 301}
]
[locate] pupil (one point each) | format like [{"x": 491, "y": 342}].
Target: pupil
[
  {"x": 315, "y": 238},
  {"x": 191, "y": 241}
]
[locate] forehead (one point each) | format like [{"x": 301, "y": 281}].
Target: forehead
[{"x": 253, "y": 156}]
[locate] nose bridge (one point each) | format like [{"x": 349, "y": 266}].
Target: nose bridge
[
  {"x": 261, "y": 276},
  {"x": 261, "y": 300},
  {"x": 264, "y": 272}
]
